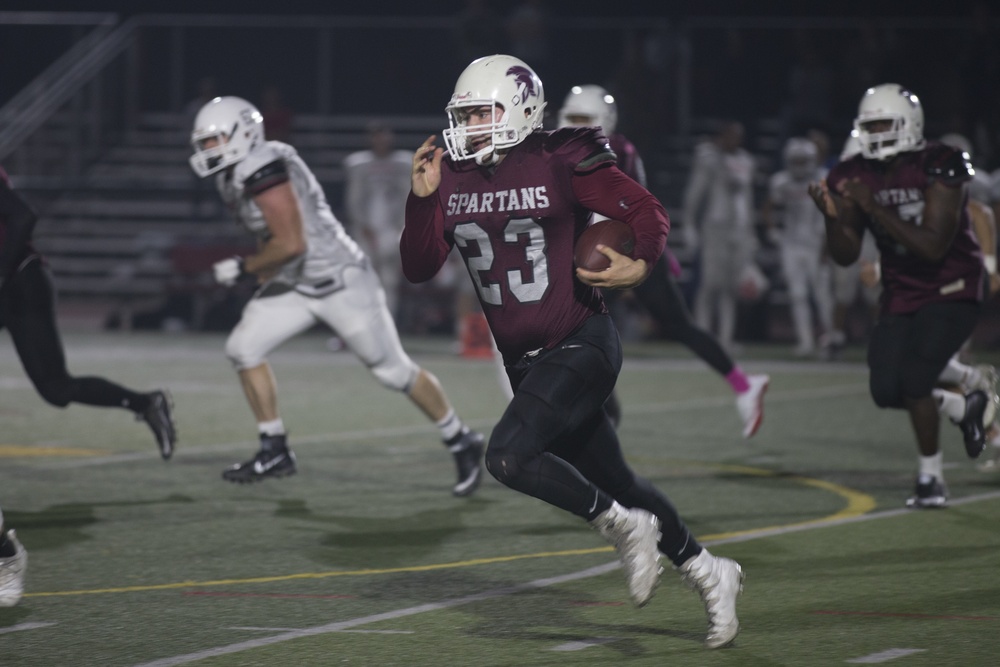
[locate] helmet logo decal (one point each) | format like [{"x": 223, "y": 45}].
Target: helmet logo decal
[{"x": 525, "y": 81}]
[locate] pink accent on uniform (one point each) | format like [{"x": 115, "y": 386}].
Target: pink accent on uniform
[
  {"x": 737, "y": 379},
  {"x": 675, "y": 266}
]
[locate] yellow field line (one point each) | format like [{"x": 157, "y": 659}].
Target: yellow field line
[
  {"x": 15, "y": 451},
  {"x": 857, "y": 503}
]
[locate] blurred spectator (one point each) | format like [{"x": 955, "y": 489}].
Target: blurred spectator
[
  {"x": 810, "y": 85},
  {"x": 527, "y": 34},
  {"x": 278, "y": 116},
  {"x": 378, "y": 181},
  {"x": 718, "y": 219},
  {"x": 477, "y": 32}
]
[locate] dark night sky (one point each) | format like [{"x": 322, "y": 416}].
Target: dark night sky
[{"x": 594, "y": 8}]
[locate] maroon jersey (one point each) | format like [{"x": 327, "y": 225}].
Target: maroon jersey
[
  {"x": 515, "y": 227},
  {"x": 909, "y": 281}
]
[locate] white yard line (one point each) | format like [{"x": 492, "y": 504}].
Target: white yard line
[
  {"x": 886, "y": 656},
  {"x": 20, "y": 627}
]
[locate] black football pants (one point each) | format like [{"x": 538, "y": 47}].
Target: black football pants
[
  {"x": 27, "y": 310},
  {"x": 554, "y": 441},
  {"x": 907, "y": 353}
]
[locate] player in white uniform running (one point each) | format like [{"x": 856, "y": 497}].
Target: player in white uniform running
[
  {"x": 309, "y": 271},
  {"x": 790, "y": 211}
]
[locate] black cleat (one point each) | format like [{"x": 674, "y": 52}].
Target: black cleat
[
  {"x": 274, "y": 459},
  {"x": 159, "y": 416},
  {"x": 973, "y": 431},
  {"x": 468, "y": 453},
  {"x": 931, "y": 493}
]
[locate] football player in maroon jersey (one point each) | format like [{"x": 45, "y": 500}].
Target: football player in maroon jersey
[
  {"x": 27, "y": 310},
  {"x": 591, "y": 105},
  {"x": 910, "y": 194},
  {"x": 513, "y": 199}
]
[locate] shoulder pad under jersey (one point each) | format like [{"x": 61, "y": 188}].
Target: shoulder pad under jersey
[{"x": 949, "y": 165}]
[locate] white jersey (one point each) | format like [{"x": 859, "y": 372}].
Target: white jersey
[
  {"x": 801, "y": 221},
  {"x": 329, "y": 250},
  {"x": 721, "y": 189}
]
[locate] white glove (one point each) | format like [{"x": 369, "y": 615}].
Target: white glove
[{"x": 228, "y": 271}]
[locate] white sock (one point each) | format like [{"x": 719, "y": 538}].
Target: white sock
[
  {"x": 273, "y": 427},
  {"x": 450, "y": 425},
  {"x": 950, "y": 404},
  {"x": 931, "y": 465}
]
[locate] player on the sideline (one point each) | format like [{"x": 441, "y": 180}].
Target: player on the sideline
[
  {"x": 591, "y": 105},
  {"x": 514, "y": 199},
  {"x": 27, "y": 311},
  {"x": 911, "y": 195},
  {"x": 309, "y": 271}
]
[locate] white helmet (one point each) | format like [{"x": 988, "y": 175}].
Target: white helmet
[
  {"x": 493, "y": 81},
  {"x": 890, "y": 102},
  {"x": 592, "y": 102},
  {"x": 234, "y": 124},
  {"x": 801, "y": 157}
]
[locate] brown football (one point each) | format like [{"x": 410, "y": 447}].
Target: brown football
[{"x": 615, "y": 234}]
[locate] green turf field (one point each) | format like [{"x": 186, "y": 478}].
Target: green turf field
[{"x": 364, "y": 558}]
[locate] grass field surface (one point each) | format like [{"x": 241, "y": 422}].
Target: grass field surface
[{"x": 364, "y": 557}]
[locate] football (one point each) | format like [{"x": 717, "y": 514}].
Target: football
[{"x": 614, "y": 234}]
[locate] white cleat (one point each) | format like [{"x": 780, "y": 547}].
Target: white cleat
[
  {"x": 635, "y": 534},
  {"x": 718, "y": 581},
  {"x": 12, "y": 570},
  {"x": 750, "y": 404}
]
